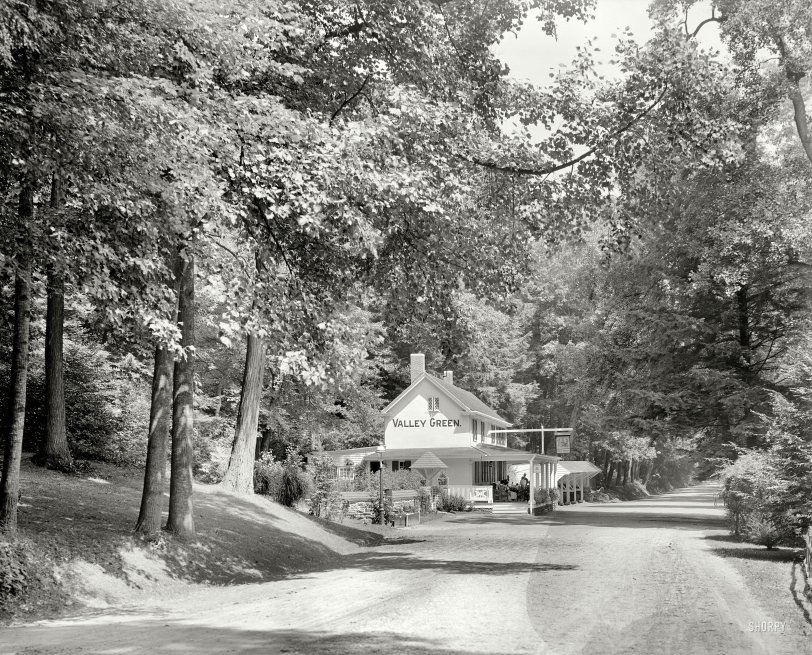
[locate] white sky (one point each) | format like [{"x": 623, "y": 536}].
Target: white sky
[{"x": 532, "y": 55}]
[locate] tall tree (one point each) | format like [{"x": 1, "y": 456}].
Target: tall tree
[
  {"x": 54, "y": 452},
  {"x": 13, "y": 442},
  {"x": 181, "y": 520}
]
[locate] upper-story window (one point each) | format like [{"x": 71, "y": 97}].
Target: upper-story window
[{"x": 434, "y": 404}]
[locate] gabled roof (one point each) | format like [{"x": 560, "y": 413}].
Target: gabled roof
[
  {"x": 465, "y": 399},
  {"x": 429, "y": 460}
]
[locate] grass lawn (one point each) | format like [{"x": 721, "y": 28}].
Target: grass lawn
[
  {"x": 75, "y": 537},
  {"x": 774, "y": 578}
]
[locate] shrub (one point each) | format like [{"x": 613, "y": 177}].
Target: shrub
[
  {"x": 295, "y": 482},
  {"x": 424, "y": 500},
  {"x": 268, "y": 476},
  {"x": 541, "y": 497},
  {"x": 387, "y": 509},
  {"x": 754, "y": 492},
  {"x": 765, "y": 530},
  {"x": 212, "y": 447},
  {"x": 325, "y": 497},
  {"x": 402, "y": 479},
  {"x": 13, "y": 574},
  {"x": 453, "y": 503},
  {"x": 106, "y": 402}
]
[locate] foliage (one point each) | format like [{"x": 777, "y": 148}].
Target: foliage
[
  {"x": 753, "y": 490},
  {"x": 545, "y": 496},
  {"x": 268, "y": 476},
  {"x": 453, "y": 503},
  {"x": 325, "y": 497},
  {"x": 424, "y": 500},
  {"x": 766, "y": 491},
  {"x": 106, "y": 400},
  {"x": 295, "y": 483},
  {"x": 395, "y": 480},
  {"x": 765, "y": 530},
  {"x": 14, "y": 574},
  {"x": 388, "y": 510},
  {"x": 285, "y": 482},
  {"x": 213, "y": 436}
]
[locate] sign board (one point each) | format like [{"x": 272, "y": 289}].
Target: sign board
[{"x": 562, "y": 444}]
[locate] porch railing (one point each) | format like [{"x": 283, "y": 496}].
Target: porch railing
[{"x": 471, "y": 493}]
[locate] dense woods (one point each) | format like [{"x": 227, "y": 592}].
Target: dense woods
[{"x": 223, "y": 229}]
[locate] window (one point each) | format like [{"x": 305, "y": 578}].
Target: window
[
  {"x": 402, "y": 465},
  {"x": 434, "y": 404},
  {"x": 475, "y": 428}
]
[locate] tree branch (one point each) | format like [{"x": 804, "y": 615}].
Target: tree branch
[
  {"x": 349, "y": 99},
  {"x": 713, "y": 19},
  {"x": 558, "y": 167}
]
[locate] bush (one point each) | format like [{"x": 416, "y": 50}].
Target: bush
[
  {"x": 453, "y": 503},
  {"x": 402, "y": 479},
  {"x": 285, "y": 482},
  {"x": 765, "y": 530},
  {"x": 325, "y": 497},
  {"x": 295, "y": 482},
  {"x": 388, "y": 510},
  {"x": 106, "y": 403},
  {"x": 424, "y": 500},
  {"x": 212, "y": 447},
  {"x": 542, "y": 497},
  {"x": 13, "y": 574},
  {"x": 268, "y": 476},
  {"x": 754, "y": 493}
]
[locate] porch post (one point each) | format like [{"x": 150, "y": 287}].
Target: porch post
[
  {"x": 532, "y": 488},
  {"x": 583, "y": 481}
]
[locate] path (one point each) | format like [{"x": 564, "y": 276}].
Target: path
[
  {"x": 650, "y": 583},
  {"x": 626, "y": 578}
]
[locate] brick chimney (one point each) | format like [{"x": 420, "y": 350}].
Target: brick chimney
[
  {"x": 448, "y": 376},
  {"x": 418, "y": 365}
]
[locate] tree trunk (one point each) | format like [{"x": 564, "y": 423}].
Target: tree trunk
[
  {"x": 239, "y": 475},
  {"x": 13, "y": 446},
  {"x": 219, "y": 406},
  {"x": 181, "y": 511},
  {"x": 800, "y": 115},
  {"x": 605, "y": 463},
  {"x": 611, "y": 473},
  {"x": 54, "y": 453},
  {"x": 743, "y": 313},
  {"x": 149, "y": 517},
  {"x": 652, "y": 464},
  {"x": 621, "y": 470},
  {"x": 263, "y": 444}
]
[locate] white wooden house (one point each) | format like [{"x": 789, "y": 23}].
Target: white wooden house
[{"x": 434, "y": 416}]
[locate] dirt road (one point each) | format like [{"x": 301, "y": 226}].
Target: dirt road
[{"x": 626, "y": 578}]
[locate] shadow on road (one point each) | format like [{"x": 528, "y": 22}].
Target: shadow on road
[
  {"x": 378, "y": 561},
  {"x": 759, "y": 553},
  {"x": 156, "y": 637}
]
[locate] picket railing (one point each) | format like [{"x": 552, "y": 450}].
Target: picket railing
[{"x": 471, "y": 493}]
